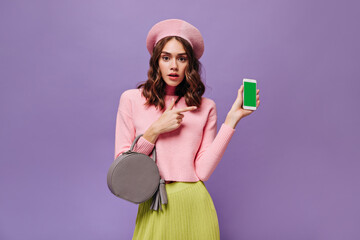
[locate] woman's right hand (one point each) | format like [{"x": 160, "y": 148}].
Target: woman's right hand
[{"x": 171, "y": 118}]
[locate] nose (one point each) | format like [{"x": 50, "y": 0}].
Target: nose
[{"x": 173, "y": 64}]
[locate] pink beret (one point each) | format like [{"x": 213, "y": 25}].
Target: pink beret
[{"x": 176, "y": 27}]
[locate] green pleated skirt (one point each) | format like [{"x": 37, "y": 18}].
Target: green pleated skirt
[{"x": 189, "y": 214}]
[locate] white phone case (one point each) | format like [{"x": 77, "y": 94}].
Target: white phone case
[{"x": 248, "y": 80}]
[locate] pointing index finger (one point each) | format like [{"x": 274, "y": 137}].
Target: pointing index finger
[{"x": 186, "y": 109}]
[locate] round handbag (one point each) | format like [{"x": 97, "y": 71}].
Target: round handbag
[{"x": 135, "y": 177}]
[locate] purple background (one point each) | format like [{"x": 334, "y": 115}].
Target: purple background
[{"x": 291, "y": 170}]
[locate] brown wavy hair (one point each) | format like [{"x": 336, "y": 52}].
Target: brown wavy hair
[{"x": 191, "y": 88}]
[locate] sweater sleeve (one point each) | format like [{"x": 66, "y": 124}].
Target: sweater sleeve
[
  {"x": 125, "y": 130},
  {"x": 212, "y": 146}
]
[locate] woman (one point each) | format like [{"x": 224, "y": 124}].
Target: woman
[{"x": 170, "y": 112}]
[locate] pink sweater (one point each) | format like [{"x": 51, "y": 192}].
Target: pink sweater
[{"x": 189, "y": 153}]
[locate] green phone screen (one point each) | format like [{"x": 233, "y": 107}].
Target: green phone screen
[{"x": 250, "y": 94}]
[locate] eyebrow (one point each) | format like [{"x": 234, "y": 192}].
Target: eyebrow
[{"x": 170, "y": 53}]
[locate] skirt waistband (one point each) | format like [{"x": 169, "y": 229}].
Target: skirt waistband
[{"x": 179, "y": 186}]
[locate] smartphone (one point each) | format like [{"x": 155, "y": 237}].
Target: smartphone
[{"x": 249, "y": 94}]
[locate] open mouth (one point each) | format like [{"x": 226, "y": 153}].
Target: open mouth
[{"x": 173, "y": 75}]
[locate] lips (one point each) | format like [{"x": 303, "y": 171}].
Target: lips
[{"x": 173, "y": 75}]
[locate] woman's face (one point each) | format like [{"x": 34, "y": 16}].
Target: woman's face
[{"x": 173, "y": 62}]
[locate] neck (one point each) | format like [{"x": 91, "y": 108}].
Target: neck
[{"x": 170, "y": 90}]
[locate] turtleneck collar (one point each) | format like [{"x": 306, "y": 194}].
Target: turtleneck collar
[{"x": 170, "y": 90}]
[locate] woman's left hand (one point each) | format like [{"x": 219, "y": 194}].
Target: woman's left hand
[{"x": 237, "y": 112}]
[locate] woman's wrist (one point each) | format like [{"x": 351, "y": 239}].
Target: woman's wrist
[
  {"x": 231, "y": 121},
  {"x": 151, "y": 135}
]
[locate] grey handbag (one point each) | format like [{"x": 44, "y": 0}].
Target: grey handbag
[{"x": 135, "y": 177}]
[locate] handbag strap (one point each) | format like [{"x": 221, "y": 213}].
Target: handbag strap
[
  {"x": 160, "y": 196},
  {"x": 134, "y": 142}
]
